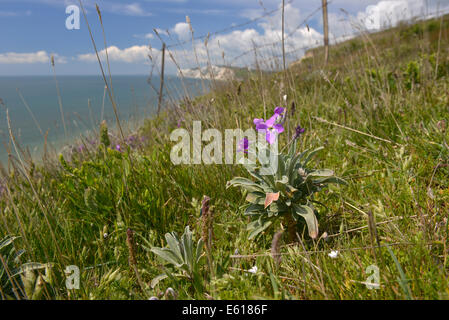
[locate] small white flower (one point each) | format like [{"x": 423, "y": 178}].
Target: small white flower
[
  {"x": 253, "y": 270},
  {"x": 333, "y": 254},
  {"x": 285, "y": 98}
]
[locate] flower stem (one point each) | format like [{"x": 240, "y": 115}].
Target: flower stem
[{"x": 291, "y": 227}]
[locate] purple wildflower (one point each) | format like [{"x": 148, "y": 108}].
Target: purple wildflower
[
  {"x": 118, "y": 148},
  {"x": 132, "y": 141},
  {"x": 299, "y": 131},
  {"x": 270, "y": 126},
  {"x": 243, "y": 145},
  {"x": 179, "y": 122}
]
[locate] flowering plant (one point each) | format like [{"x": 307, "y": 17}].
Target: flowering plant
[
  {"x": 271, "y": 126},
  {"x": 286, "y": 193}
]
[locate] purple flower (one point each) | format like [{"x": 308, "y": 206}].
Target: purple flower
[
  {"x": 270, "y": 126},
  {"x": 243, "y": 145},
  {"x": 132, "y": 141},
  {"x": 132, "y": 138},
  {"x": 299, "y": 131},
  {"x": 118, "y": 148},
  {"x": 81, "y": 148}
]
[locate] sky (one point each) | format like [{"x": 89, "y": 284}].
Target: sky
[{"x": 31, "y": 31}]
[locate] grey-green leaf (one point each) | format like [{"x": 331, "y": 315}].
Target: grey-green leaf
[
  {"x": 307, "y": 213},
  {"x": 167, "y": 255}
]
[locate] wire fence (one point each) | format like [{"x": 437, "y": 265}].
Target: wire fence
[
  {"x": 228, "y": 29},
  {"x": 268, "y": 54},
  {"x": 239, "y": 60},
  {"x": 287, "y": 36}
]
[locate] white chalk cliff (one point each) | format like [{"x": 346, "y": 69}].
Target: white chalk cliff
[{"x": 209, "y": 73}]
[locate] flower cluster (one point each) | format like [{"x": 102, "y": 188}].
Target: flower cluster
[
  {"x": 298, "y": 132},
  {"x": 272, "y": 126},
  {"x": 243, "y": 145}
]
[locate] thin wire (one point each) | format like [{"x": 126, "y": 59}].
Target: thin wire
[
  {"x": 286, "y": 37},
  {"x": 230, "y": 28},
  {"x": 255, "y": 255}
]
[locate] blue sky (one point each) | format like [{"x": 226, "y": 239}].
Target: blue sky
[{"x": 32, "y": 30}]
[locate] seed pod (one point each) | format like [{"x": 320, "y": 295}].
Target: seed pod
[
  {"x": 131, "y": 249},
  {"x": 99, "y": 13},
  {"x": 207, "y": 227},
  {"x": 276, "y": 246}
]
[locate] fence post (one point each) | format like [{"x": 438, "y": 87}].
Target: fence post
[
  {"x": 161, "y": 90},
  {"x": 326, "y": 32}
]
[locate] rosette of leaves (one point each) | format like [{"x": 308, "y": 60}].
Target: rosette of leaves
[
  {"x": 183, "y": 255},
  {"x": 286, "y": 194}
]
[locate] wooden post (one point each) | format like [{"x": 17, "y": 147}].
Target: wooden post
[
  {"x": 326, "y": 32},
  {"x": 161, "y": 90}
]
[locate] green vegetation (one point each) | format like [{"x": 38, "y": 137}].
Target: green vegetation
[
  {"x": 380, "y": 108},
  {"x": 286, "y": 193}
]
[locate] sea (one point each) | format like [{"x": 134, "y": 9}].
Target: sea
[{"x": 34, "y": 106}]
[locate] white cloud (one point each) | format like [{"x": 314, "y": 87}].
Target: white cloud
[
  {"x": 30, "y": 57},
  {"x": 21, "y": 58},
  {"x": 266, "y": 38},
  {"x": 383, "y": 14},
  {"x": 266, "y": 34},
  {"x": 134, "y": 54},
  {"x": 389, "y": 13},
  {"x": 182, "y": 30}
]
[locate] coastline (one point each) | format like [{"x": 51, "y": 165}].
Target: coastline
[{"x": 136, "y": 102}]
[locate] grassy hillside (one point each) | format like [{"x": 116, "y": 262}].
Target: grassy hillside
[{"x": 380, "y": 109}]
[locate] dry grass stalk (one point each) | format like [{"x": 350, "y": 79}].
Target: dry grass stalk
[
  {"x": 131, "y": 248},
  {"x": 207, "y": 223},
  {"x": 276, "y": 246},
  {"x": 132, "y": 257}
]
